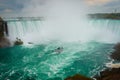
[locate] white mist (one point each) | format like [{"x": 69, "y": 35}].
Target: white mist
[{"x": 65, "y": 21}]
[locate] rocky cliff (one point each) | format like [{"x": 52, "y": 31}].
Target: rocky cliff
[{"x": 4, "y": 41}]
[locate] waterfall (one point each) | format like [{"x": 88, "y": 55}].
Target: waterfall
[
  {"x": 109, "y": 25},
  {"x": 36, "y": 30},
  {"x": 24, "y": 29}
]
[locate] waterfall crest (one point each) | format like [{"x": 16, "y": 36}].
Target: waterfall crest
[{"x": 37, "y": 30}]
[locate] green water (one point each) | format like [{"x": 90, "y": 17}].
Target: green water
[{"x": 39, "y": 62}]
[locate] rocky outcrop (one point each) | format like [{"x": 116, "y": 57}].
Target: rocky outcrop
[
  {"x": 1, "y": 27},
  {"x": 109, "y": 74},
  {"x": 4, "y": 41},
  {"x": 78, "y": 77},
  {"x": 113, "y": 70},
  {"x": 18, "y": 42},
  {"x": 116, "y": 53}
]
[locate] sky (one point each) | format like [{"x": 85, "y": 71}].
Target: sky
[{"x": 40, "y": 7}]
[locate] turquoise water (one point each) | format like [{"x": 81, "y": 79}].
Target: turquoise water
[{"x": 39, "y": 62}]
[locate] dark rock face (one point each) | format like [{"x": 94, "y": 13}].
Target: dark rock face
[
  {"x": 4, "y": 41},
  {"x": 78, "y": 77},
  {"x": 1, "y": 27},
  {"x": 112, "y": 73},
  {"x": 116, "y": 54},
  {"x": 109, "y": 74}
]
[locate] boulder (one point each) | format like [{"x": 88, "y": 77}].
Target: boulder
[
  {"x": 116, "y": 53},
  {"x": 4, "y": 42},
  {"x": 109, "y": 74},
  {"x": 18, "y": 42},
  {"x": 78, "y": 77}
]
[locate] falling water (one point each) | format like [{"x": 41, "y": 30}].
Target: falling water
[
  {"x": 65, "y": 21},
  {"x": 35, "y": 31}
]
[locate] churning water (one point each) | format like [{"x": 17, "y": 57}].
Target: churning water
[{"x": 39, "y": 62}]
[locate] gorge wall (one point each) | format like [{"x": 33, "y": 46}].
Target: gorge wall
[{"x": 4, "y": 41}]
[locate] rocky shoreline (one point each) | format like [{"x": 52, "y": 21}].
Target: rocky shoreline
[
  {"x": 116, "y": 54},
  {"x": 109, "y": 74},
  {"x": 112, "y": 72}
]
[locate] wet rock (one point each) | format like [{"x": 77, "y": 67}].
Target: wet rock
[
  {"x": 18, "y": 42},
  {"x": 109, "y": 74},
  {"x": 1, "y": 27},
  {"x": 4, "y": 42},
  {"x": 116, "y": 53},
  {"x": 113, "y": 70},
  {"x": 78, "y": 77}
]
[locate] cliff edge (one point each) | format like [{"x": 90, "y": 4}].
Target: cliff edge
[{"x": 4, "y": 41}]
